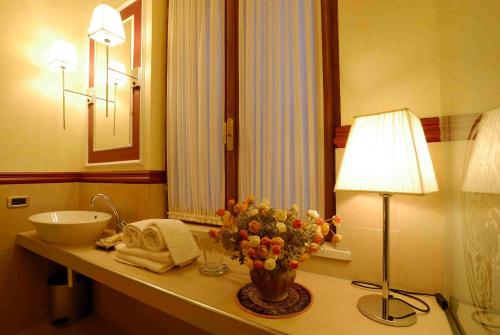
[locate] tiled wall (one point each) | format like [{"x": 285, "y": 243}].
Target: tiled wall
[{"x": 23, "y": 275}]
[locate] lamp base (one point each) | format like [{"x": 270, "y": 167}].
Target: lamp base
[{"x": 400, "y": 314}]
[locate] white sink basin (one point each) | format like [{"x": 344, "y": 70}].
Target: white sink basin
[{"x": 70, "y": 227}]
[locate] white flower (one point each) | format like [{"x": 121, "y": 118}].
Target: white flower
[
  {"x": 281, "y": 227},
  {"x": 264, "y": 204},
  {"x": 253, "y": 212},
  {"x": 254, "y": 241},
  {"x": 281, "y": 215},
  {"x": 270, "y": 264},
  {"x": 325, "y": 228},
  {"x": 313, "y": 213}
]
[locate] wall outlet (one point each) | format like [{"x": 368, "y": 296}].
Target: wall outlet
[{"x": 18, "y": 201}]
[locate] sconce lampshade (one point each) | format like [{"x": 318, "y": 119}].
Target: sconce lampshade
[
  {"x": 117, "y": 74},
  {"x": 106, "y": 26},
  {"x": 62, "y": 55},
  {"x": 387, "y": 153},
  {"x": 483, "y": 171}
]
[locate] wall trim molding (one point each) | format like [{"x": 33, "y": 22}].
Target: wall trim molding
[
  {"x": 431, "y": 125},
  {"x": 114, "y": 177}
]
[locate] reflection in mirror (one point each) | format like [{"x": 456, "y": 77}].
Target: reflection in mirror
[
  {"x": 115, "y": 129},
  {"x": 481, "y": 224}
]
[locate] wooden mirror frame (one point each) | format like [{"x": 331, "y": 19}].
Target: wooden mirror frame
[{"x": 131, "y": 153}]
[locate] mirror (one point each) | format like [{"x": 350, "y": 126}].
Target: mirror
[
  {"x": 114, "y": 130},
  {"x": 113, "y": 133}
]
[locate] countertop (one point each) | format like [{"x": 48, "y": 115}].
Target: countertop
[{"x": 209, "y": 303}]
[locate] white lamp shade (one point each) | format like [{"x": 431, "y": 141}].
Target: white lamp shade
[
  {"x": 106, "y": 26},
  {"x": 387, "y": 153},
  {"x": 483, "y": 171},
  {"x": 62, "y": 55},
  {"x": 117, "y": 74}
]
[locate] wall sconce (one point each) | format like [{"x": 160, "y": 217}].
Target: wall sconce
[
  {"x": 106, "y": 27},
  {"x": 62, "y": 56}
]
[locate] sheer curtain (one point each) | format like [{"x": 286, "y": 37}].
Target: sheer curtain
[
  {"x": 195, "y": 109},
  {"x": 281, "y": 102}
]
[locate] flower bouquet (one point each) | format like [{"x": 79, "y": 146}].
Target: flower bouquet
[{"x": 271, "y": 242}]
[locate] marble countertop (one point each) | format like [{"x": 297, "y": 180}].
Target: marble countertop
[{"x": 209, "y": 303}]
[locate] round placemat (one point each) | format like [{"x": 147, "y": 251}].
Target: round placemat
[{"x": 298, "y": 301}]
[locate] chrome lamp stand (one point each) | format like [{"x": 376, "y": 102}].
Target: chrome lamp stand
[{"x": 383, "y": 308}]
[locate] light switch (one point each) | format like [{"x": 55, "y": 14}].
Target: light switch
[{"x": 18, "y": 201}]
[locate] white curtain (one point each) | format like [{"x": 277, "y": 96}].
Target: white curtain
[
  {"x": 195, "y": 109},
  {"x": 281, "y": 102}
]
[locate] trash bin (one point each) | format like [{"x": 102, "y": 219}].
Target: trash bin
[{"x": 68, "y": 304}]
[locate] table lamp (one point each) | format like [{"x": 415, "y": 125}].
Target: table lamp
[{"x": 387, "y": 153}]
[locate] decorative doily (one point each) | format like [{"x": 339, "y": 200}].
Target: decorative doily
[{"x": 298, "y": 301}]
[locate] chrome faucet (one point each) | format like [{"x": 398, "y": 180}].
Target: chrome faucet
[{"x": 119, "y": 222}]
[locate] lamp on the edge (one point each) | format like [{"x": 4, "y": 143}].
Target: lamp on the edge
[
  {"x": 387, "y": 153},
  {"x": 62, "y": 56},
  {"x": 106, "y": 26}
]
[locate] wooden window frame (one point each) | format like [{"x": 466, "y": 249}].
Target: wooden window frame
[{"x": 331, "y": 93}]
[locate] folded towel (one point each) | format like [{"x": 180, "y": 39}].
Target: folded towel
[
  {"x": 144, "y": 263},
  {"x": 171, "y": 234},
  {"x": 131, "y": 233},
  {"x": 161, "y": 257},
  {"x": 152, "y": 239}
]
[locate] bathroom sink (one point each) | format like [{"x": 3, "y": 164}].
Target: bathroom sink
[{"x": 70, "y": 227}]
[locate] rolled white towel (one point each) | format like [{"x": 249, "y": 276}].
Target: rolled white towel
[
  {"x": 173, "y": 235},
  {"x": 144, "y": 263},
  {"x": 131, "y": 233},
  {"x": 152, "y": 238},
  {"x": 161, "y": 257}
]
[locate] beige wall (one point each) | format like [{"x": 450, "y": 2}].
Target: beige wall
[
  {"x": 31, "y": 136},
  {"x": 389, "y": 57}
]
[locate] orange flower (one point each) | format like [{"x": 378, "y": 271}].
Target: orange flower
[
  {"x": 265, "y": 241},
  {"x": 258, "y": 264},
  {"x": 320, "y": 221},
  {"x": 313, "y": 248},
  {"x": 337, "y": 220},
  {"x": 220, "y": 212},
  {"x": 276, "y": 249},
  {"x": 318, "y": 238},
  {"x": 243, "y": 234},
  {"x": 337, "y": 238},
  {"x": 294, "y": 264},
  {"x": 304, "y": 257},
  {"x": 244, "y": 244},
  {"x": 254, "y": 226},
  {"x": 230, "y": 203},
  {"x": 213, "y": 233},
  {"x": 249, "y": 263},
  {"x": 297, "y": 223},
  {"x": 250, "y": 199},
  {"x": 251, "y": 252},
  {"x": 262, "y": 251},
  {"x": 277, "y": 241}
]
